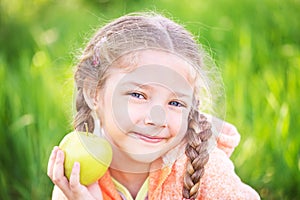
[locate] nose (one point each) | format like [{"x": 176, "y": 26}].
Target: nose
[{"x": 156, "y": 117}]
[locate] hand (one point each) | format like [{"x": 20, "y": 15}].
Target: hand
[{"x": 71, "y": 189}]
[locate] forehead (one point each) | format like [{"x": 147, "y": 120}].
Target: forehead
[{"x": 157, "y": 65}]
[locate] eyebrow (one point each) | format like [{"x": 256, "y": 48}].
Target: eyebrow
[{"x": 149, "y": 87}]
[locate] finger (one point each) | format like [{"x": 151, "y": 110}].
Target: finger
[
  {"x": 51, "y": 162},
  {"x": 75, "y": 178},
  {"x": 58, "y": 168},
  {"x": 58, "y": 177}
]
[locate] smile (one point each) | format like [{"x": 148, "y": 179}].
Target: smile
[{"x": 146, "y": 138}]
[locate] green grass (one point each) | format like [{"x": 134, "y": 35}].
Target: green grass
[{"x": 255, "y": 43}]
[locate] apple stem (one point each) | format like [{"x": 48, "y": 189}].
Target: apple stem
[{"x": 86, "y": 128}]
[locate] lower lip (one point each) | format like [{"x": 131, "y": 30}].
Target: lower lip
[{"x": 148, "y": 139}]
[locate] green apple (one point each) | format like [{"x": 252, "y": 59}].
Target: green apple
[{"x": 92, "y": 152}]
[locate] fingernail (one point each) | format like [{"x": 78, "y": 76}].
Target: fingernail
[{"x": 76, "y": 164}]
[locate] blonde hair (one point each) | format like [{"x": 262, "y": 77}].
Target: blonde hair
[{"x": 149, "y": 31}]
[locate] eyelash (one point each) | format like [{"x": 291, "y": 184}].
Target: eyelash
[
  {"x": 141, "y": 96},
  {"x": 178, "y": 104},
  {"x": 137, "y": 95}
]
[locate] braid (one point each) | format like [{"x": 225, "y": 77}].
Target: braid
[
  {"x": 199, "y": 131},
  {"x": 83, "y": 115}
]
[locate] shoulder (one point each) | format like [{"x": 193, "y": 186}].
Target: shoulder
[
  {"x": 227, "y": 138},
  {"x": 220, "y": 180}
]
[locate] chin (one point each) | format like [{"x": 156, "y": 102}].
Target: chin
[
  {"x": 146, "y": 158},
  {"x": 137, "y": 163}
]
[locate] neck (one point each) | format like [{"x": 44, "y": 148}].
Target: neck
[
  {"x": 132, "y": 181},
  {"x": 128, "y": 171}
]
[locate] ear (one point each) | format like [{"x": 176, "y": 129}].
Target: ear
[
  {"x": 90, "y": 93},
  {"x": 90, "y": 97}
]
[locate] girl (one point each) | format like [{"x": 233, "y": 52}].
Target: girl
[{"x": 143, "y": 84}]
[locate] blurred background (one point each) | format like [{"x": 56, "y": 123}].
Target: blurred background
[{"x": 255, "y": 43}]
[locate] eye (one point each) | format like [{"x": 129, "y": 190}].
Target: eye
[
  {"x": 176, "y": 104},
  {"x": 137, "y": 95}
]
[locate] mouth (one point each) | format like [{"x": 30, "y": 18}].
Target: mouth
[{"x": 147, "y": 138}]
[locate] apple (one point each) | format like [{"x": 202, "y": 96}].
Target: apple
[{"x": 92, "y": 152}]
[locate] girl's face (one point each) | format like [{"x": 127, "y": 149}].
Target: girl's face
[{"x": 144, "y": 112}]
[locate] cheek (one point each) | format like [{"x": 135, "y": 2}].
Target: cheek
[
  {"x": 178, "y": 123},
  {"x": 136, "y": 113},
  {"x": 112, "y": 114},
  {"x": 125, "y": 114}
]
